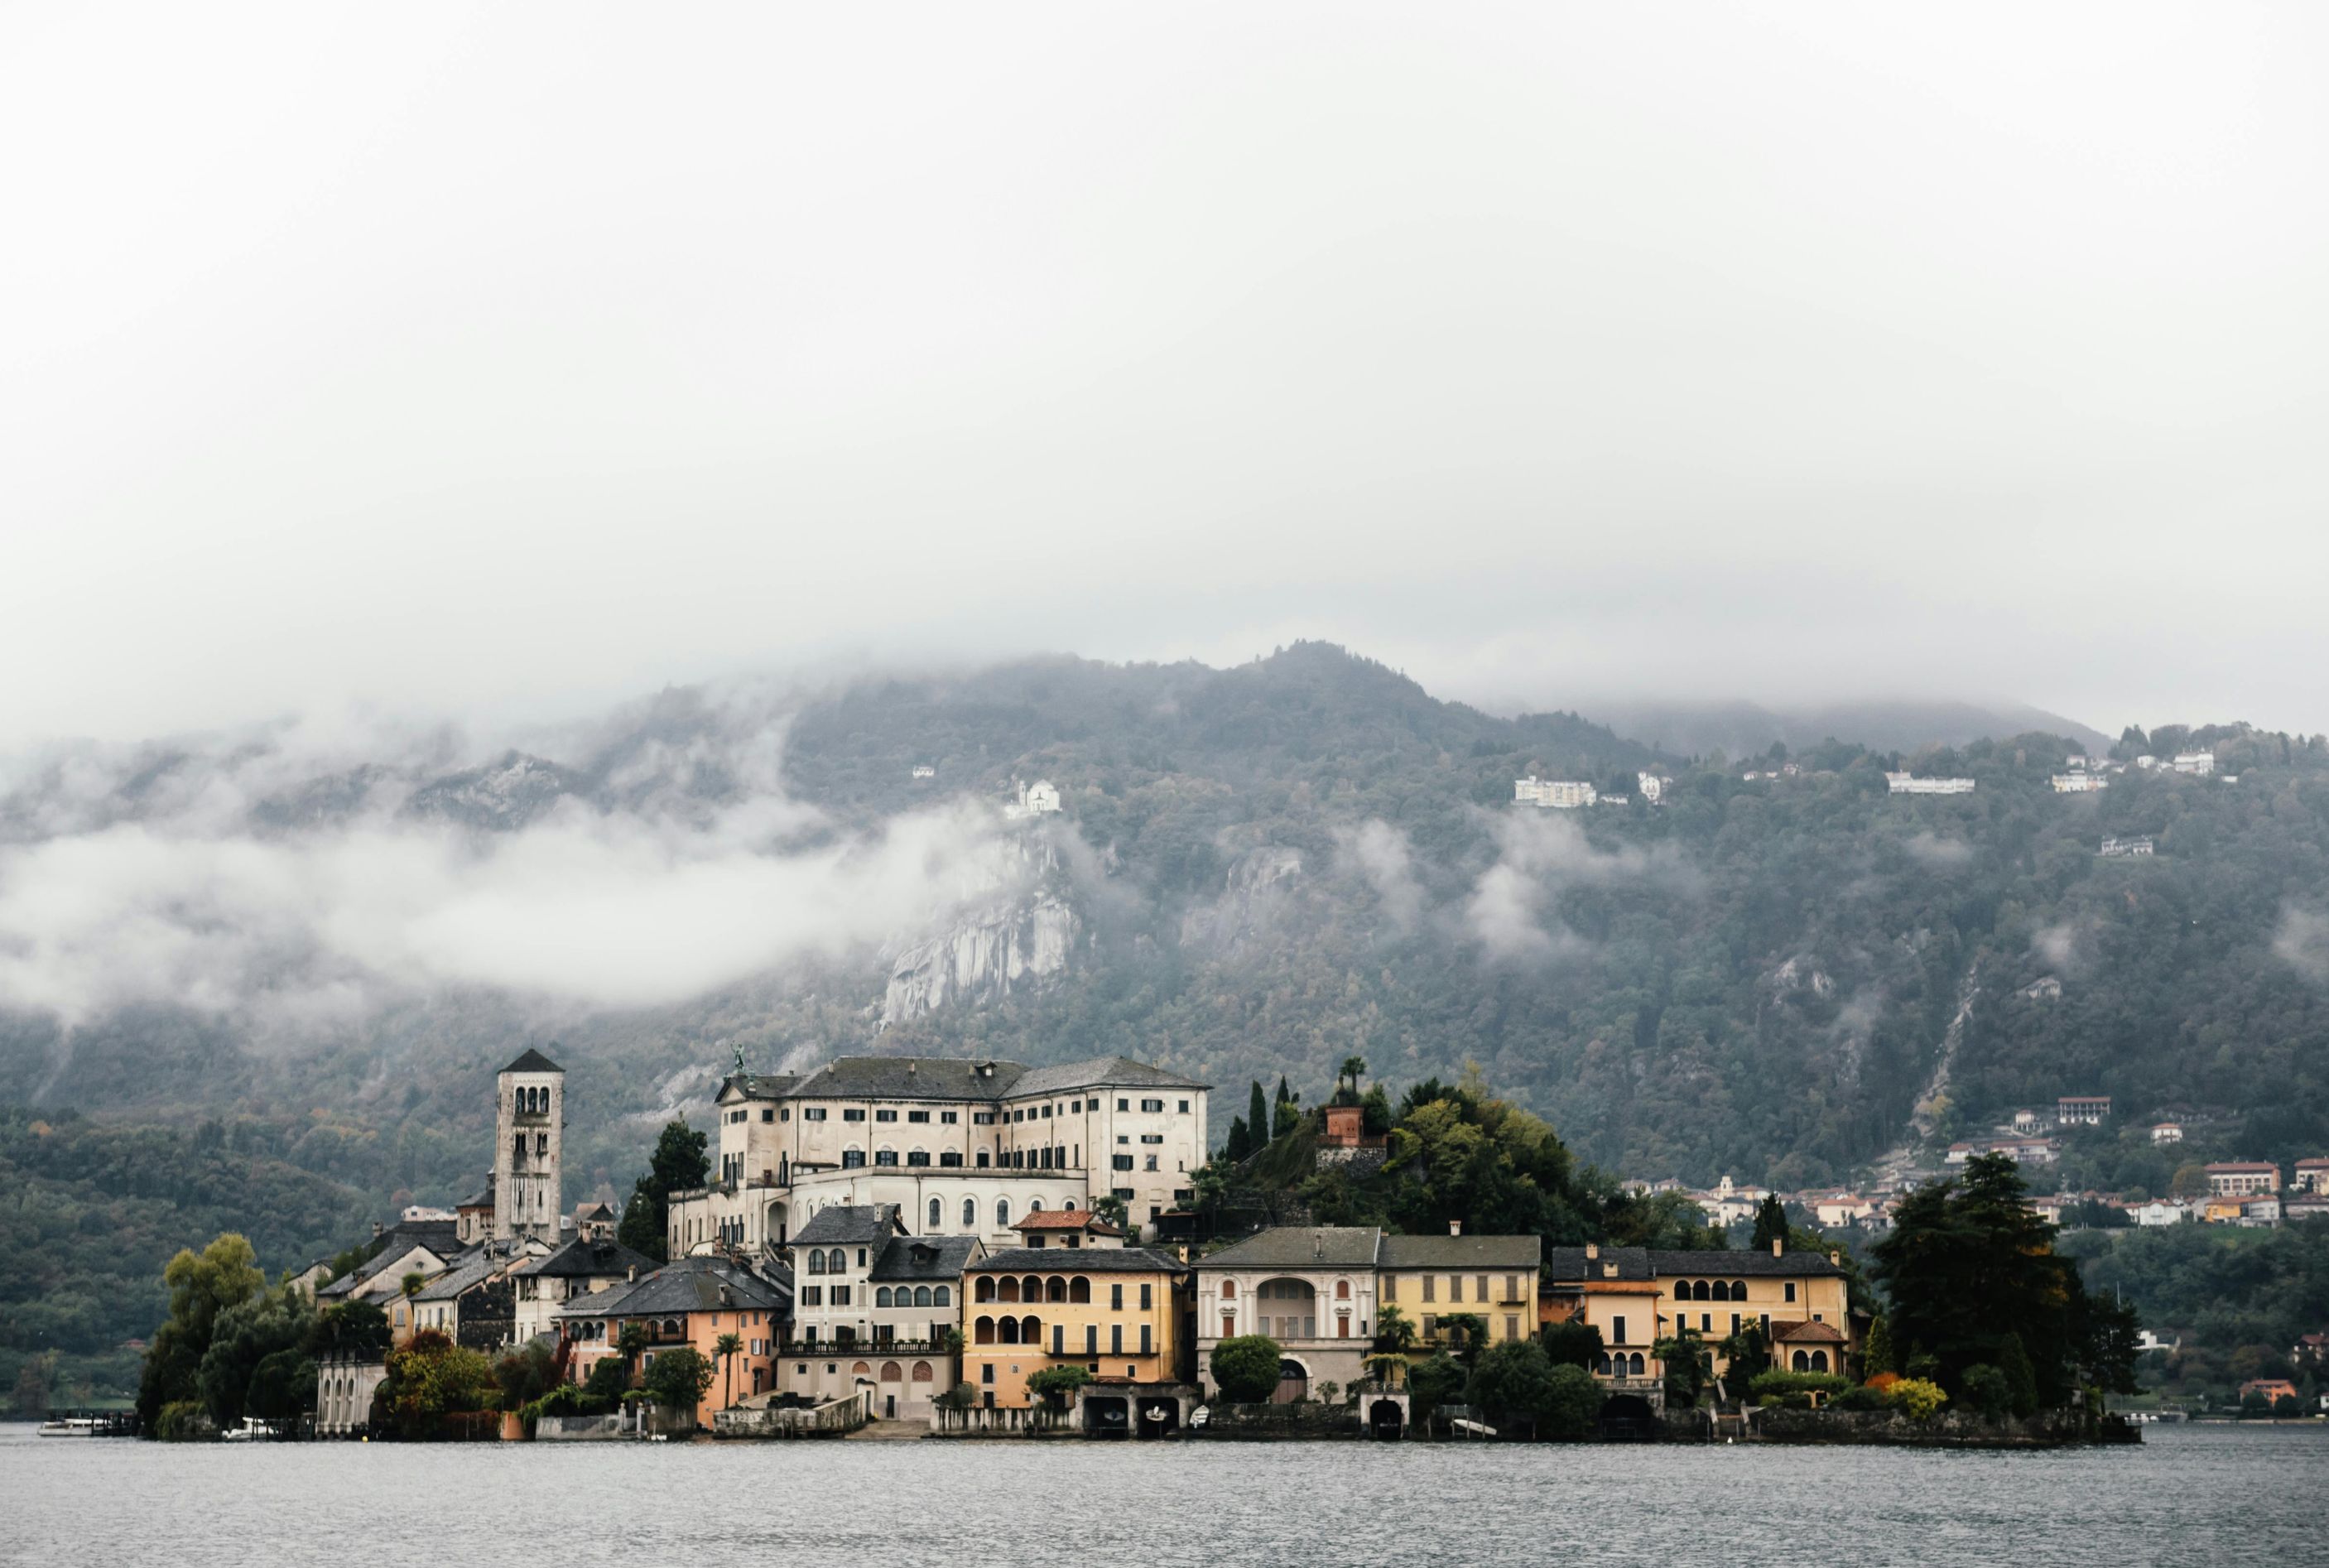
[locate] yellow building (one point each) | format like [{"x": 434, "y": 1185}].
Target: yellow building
[
  {"x": 1118, "y": 1312},
  {"x": 1638, "y": 1296},
  {"x": 1495, "y": 1279}
]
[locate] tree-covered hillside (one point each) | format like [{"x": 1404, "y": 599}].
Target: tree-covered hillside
[{"x": 1262, "y": 869}]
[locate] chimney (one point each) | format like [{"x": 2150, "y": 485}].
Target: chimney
[
  {"x": 1837, "y": 1259},
  {"x": 375, "y": 1230},
  {"x": 631, "y": 1275},
  {"x": 1455, "y": 1227},
  {"x": 1779, "y": 1245},
  {"x": 1592, "y": 1251}
]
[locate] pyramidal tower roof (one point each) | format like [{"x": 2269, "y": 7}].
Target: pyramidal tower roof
[{"x": 533, "y": 1061}]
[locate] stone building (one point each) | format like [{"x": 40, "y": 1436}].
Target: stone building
[
  {"x": 529, "y": 1146},
  {"x": 1311, "y": 1288}
]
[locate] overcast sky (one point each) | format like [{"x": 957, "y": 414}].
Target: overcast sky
[{"x": 509, "y": 359}]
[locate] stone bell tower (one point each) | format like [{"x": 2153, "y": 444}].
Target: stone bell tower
[{"x": 530, "y": 1126}]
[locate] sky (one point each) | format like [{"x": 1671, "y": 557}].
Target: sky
[{"x": 506, "y": 361}]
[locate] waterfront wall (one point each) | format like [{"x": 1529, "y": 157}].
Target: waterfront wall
[
  {"x": 834, "y": 1419},
  {"x": 1306, "y": 1419},
  {"x": 1950, "y": 1429}
]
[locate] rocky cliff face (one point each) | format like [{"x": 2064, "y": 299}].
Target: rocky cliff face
[
  {"x": 1022, "y": 938},
  {"x": 1256, "y": 892}
]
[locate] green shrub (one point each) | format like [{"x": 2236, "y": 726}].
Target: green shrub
[
  {"x": 1983, "y": 1390},
  {"x": 1862, "y": 1398},
  {"x": 1245, "y": 1368},
  {"x": 1794, "y": 1390}
]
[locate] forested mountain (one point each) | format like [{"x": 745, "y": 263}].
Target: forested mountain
[{"x": 1258, "y": 871}]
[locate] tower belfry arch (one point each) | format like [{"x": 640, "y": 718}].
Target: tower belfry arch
[{"x": 529, "y": 1148}]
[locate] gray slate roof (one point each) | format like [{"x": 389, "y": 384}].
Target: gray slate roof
[
  {"x": 582, "y": 1259},
  {"x": 1303, "y": 1247},
  {"x": 441, "y": 1237},
  {"x": 467, "y": 1274},
  {"x": 533, "y": 1062},
  {"x": 700, "y": 1284},
  {"x": 1562, "y": 1263},
  {"x": 1101, "y": 1073},
  {"x": 850, "y": 1225},
  {"x": 929, "y": 1259},
  {"x": 757, "y": 1085},
  {"x": 1081, "y": 1261},
  {"x": 1462, "y": 1252}
]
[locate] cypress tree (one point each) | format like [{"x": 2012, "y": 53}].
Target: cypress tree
[
  {"x": 1257, "y": 1115},
  {"x": 1770, "y": 1223},
  {"x": 1240, "y": 1143}
]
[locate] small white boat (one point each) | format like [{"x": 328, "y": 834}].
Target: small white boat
[
  {"x": 251, "y": 1430},
  {"x": 69, "y": 1426}
]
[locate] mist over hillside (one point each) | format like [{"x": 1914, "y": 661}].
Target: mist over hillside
[
  {"x": 1743, "y": 730},
  {"x": 333, "y": 937}
]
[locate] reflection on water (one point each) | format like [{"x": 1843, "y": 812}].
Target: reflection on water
[{"x": 2190, "y": 1495}]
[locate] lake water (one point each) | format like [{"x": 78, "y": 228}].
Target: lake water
[{"x": 2190, "y": 1495}]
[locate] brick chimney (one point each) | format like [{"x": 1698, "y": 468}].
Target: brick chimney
[{"x": 1455, "y": 1227}]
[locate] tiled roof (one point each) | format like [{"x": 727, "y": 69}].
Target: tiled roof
[
  {"x": 1462, "y": 1252},
  {"x": 906, "y": 1078},
  {"x": 1806, "y": 1331},
  {"x": 533, "y": 1062},
  {"x": 1566, "y": 1263},
  {"x": 924, "y": 1257},
  {"x": 469, "y": 1272},
  {"x": 582, "y": 1259},
  {"x": 1303, "y": 1247},
  {"x": 758, "y": 1085},
  {"x": 848, "y": 1225},
  {"x": 698, "y": 1284},
  {"x": 1742, "y": 1264},
  {"x": 2241, "y": 1166},
  {"x": 1083, "y": 1261},
  {"x": 1101, "y": 1073},
  {"x": 1067, "y": 1219}
]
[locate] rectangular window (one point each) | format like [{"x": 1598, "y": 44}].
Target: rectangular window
[
  {"x": 1047, "y": 1113},
  {"x": 1123, "y": 1193},
  {"x": 1512, "y": 1287},
  {"x": 1152, "y": 1137},
  {"x": 1706, "y": 1323},
  {"x": 1185, "y": 1107},
  {"x": 853, "y": 1115},
  {"x": 1152, "y": 1162},
  {"x": 1145, "y": 1347},
  {"x": 813, "y": 1113},
  {"x": 785, "y": 1114},
  {"x": 920, "y": 1116},
  {"x": 1480, "y": 1288},
  {"x": 1455, "y": 1286},
  {"x": 1431, "y": 1287},
  {"x": 1124, "y": 1105},
  {"x": 1091, "y": 1340},
  {"x": 1147, "y": 1297},
  {"x": 986, "y": 1372},
  {"x": 1123, "y": 1162},
  {"x": 1512, "y": 1326},
  {"x": 1116, "y": 1339},
  {"x": 885, "y": 1116},
  {"x": 1734, "y": 1323},
  {"x": 841, "y": 1295},
  {"x": 1075, "y": 1108},
  {"x": 1152, "y": 1105},
  {"x": 768, "y": 1115},
  {"x": 948, "y": 1118},
  {"x": 1617, "y": 1331},
  {"x": 1430, "y": 1324},
  {"x": 1121, "y": 1137},
  {"x": 1059, "y": 1337},
  {"x": 1116, "y": 1298},
  {"x": 981, "y": 1118},
  {"x": 1391, "y": 1287},
  {"x": 1228, "y": 1327},
  {"x": 1791, "y": 1290}
]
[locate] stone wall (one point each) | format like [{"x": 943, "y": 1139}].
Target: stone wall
[
  {"x": 832, "y": 1419},
  {"x": 1950, "y": 1429},
  {"x": 1306, "y": 1419}
]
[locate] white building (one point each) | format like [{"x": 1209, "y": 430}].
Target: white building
[
  {"x": 1728, "y": 1203},
  {"x": 2159, "y": 1212},
  {"x": 1910, "y": 784},
  {"x": 1037, "y": 799},
  {"x": 2201, "y": 763},
  {"x": 530, "y": 1134},
  {"x": 1653, "y": 787},
  {"x": 2119, "y": 848},
  {"x": 2080, "y": 783},
  {"x": 1560, "y": 793},
  {"x": 961, "y": 1148},
  {"x": 2167, "y": 1132},
  {"x": 924, "y": 771}
]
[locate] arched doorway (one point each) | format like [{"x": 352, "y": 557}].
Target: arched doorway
[
  {"x": 1629, "y": 1418},
  {"x": 1293, "y": 1382},
  {"x": 1287, "y": 1309},
  {"x": 1385, "y": 1419}
]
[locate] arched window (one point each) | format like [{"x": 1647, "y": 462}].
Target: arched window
[
  {"x": 1055, "y": 1288},
  {"x": 1002, "y": 1213},
  {"x": 917, "y": 1156},
  {"x": 982, "y": 1159},
  {"x": 970, "y": 1213},
  {"x": 1079, "y": 1291},
  {"x": 1228, "y": 1289},
  {"x": 1006, "y": 1288},
  {"x": 1636, "y": 1365},
  {"x": 941, "y": 1296},
  {"x": 1342, "y": 1290},
  {"x": 1034, "y": 1206},
  {"x": 938, "y": 1213},
  {"x": 983, "y": 1331},
  {"x": 949, "y": 1157},
  {"x": 892, "y": 1373},
  {"x": 885, "y": 1157},
  {"x": 1738, "y": 1289},
  {"x": 671, "y": 1326},
  {"x": 1069, "y": 1205},
  {"x": 1819, "y": 1360},
  {"x": 1032, "y": 1290},
  {"x": 1601, "y": 1365},
  {"x": 881, "y": 1296},
  {"x": 921, "y": 1295},
  {"x": 1031, "y": 1331},
  {"x": 1701, "y": 1291},
  {"x": 1722, "y": 1289},
  {"x": 853, "y": 1159},
  {"x": 922, "y": 1372},
  {"x": 986, "y": 1289},
  {"x": 1009, "y": 1329},
  {"x": 816, "y": 1259},
  {"x": 1801, "y": 1362}
]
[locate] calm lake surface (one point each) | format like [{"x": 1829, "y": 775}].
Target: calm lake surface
[{"x": 2190, "y": 1495}]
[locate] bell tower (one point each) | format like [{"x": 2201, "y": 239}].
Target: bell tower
[{"x": 530, "y": 1128}]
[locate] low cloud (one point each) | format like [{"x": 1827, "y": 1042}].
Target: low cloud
[
  {"x": 2058, "y": 945},
  {"x": 1540, "y": 853},
  {"x": 1930, "y": 849},
  {"x": 655, "y": 889},
  {"x": 2303, "y": 943},
  {"x": 1381, "y": 854}
]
